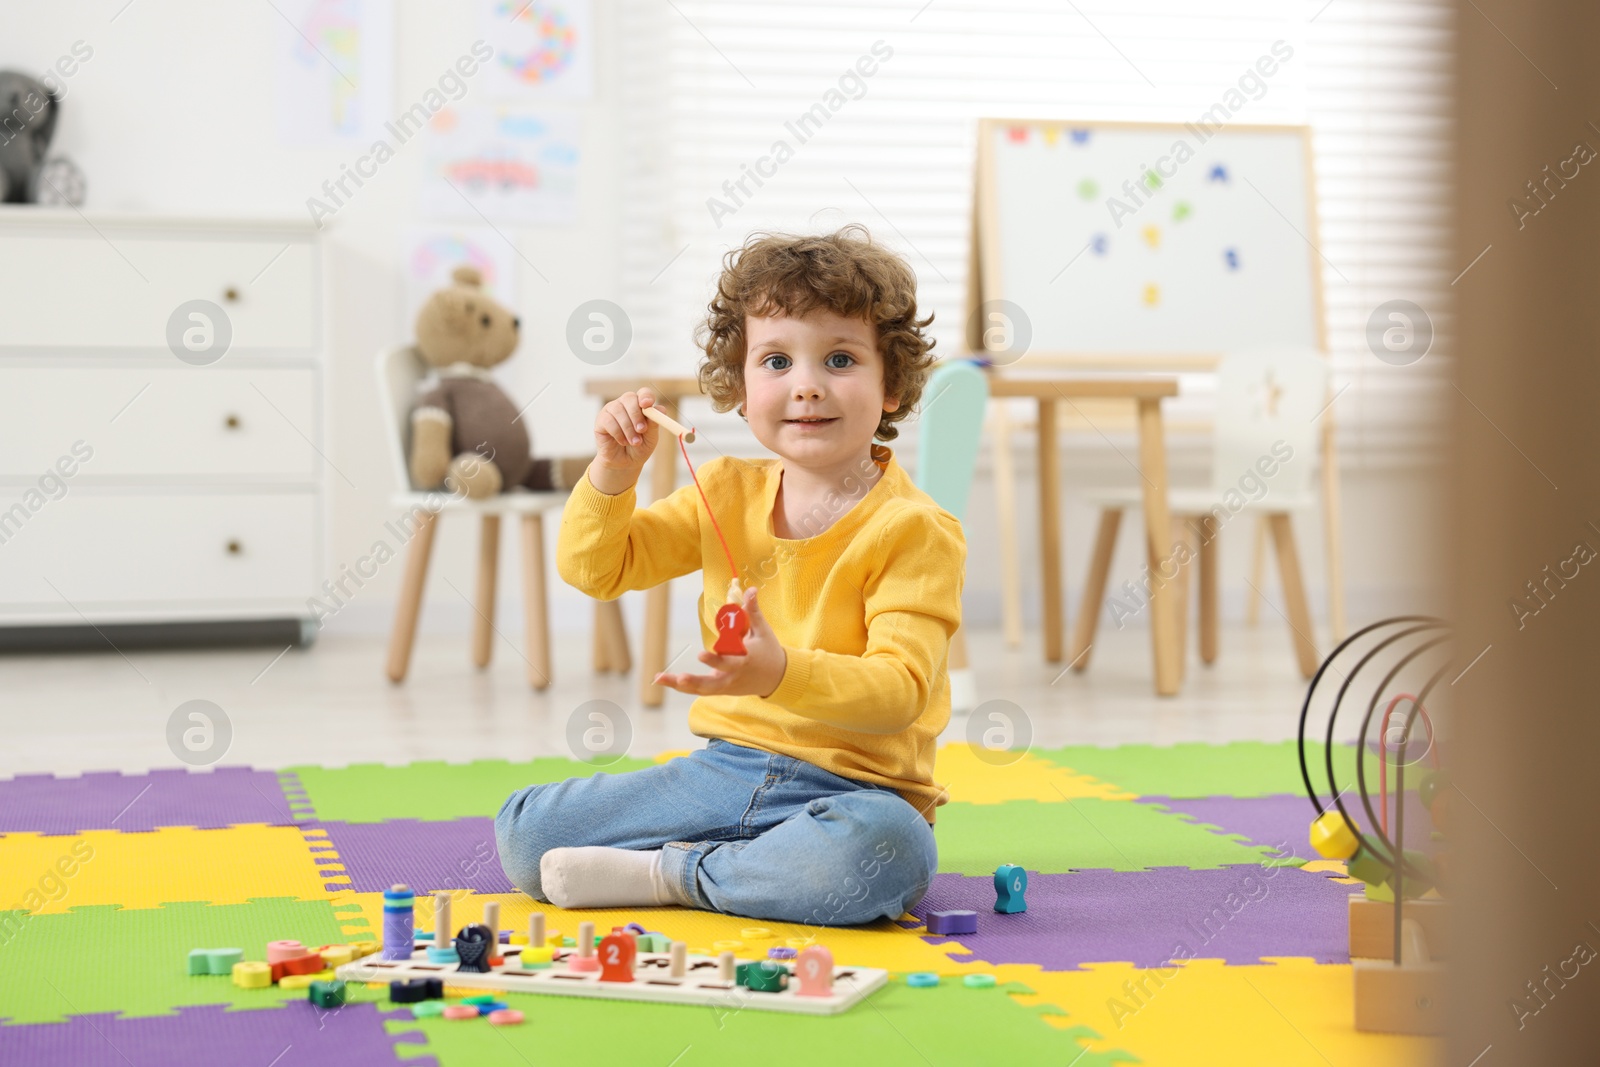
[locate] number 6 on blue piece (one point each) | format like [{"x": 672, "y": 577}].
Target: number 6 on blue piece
[{"x": 1010, "y": 886}]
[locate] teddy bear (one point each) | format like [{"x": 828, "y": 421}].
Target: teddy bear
[{"x": 466, "y": 434}]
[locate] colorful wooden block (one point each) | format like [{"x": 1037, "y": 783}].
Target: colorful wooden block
[
  {"x": 214, "y": 960},
  {"x": 505, "y": 1017},
  {"x": 328, "y": 994},
  {"x": 978, "y": 981},
  {"x": 491, "y": 1007},
  {"x": 427, "y": 1009},
  {"x": 416, "y": 990},
  {"x": 278, "y": 951},
  {"x": 766, "y": 976},
  {"x": 1332, "y": 836},
  {"x": 339, "y": 955},
  {"x": 252, "y": 974},
  {"x": 1010, "y": 887},
  {"x": 310, "y": 963},
  {"x": 296, "y": 981},
  {"x": 950, "y": 923},
  {"x": 922, "y": 980},
  {"x": 460, "y": 1011},
  {"x": 536, "y": 957}
]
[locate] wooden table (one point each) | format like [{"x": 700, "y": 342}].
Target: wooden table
[{"x": 1146, "y": 391}]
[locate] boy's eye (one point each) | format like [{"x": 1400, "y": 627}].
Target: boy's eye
[
  {"x": 776, "y": 355},
  {"x": 848, "y": 359}
]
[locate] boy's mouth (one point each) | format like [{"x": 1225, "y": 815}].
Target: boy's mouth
[{"x": 810, "y": 422}]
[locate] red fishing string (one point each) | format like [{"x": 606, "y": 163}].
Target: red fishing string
[{"x": 731, "y": 568}]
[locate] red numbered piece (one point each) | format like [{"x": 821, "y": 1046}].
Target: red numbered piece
[
  {"x": 616, "y": 958},
  {"x": 732, "y": 625}
]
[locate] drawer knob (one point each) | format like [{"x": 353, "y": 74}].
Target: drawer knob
[
  {"x": 234, "y": 548},
  {"x": 231, "y": 294},
  {"x": 231, "y": 422}
]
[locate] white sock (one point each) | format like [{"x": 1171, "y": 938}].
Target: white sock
[{"x": 598, "y": 877}]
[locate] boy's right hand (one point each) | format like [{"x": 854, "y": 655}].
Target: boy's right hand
[{"x": 623, "y": 438}]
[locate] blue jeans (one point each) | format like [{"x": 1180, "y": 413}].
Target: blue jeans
[{"x": 741, "y": 831}]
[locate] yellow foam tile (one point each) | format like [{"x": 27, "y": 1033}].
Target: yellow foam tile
[
  {"x": 672, "y": 754},
  {"x": 1328, "y": 867},
  {"x": 885, "y": 945},
  {"x": 1283, "y": 1012},
  {"x": 150, "y": 868},
  {"x": 973, "y": 779}
]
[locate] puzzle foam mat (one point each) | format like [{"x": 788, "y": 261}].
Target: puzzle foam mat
[{"x": 1172, "y": 919}]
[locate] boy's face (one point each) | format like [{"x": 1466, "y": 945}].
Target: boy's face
[{"x": 822, "y": 365}]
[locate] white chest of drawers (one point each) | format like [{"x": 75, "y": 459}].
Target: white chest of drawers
[{"x": 143, "y": 481}]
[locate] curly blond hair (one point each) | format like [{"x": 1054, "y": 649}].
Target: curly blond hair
[{"x": 842, "y": 272}]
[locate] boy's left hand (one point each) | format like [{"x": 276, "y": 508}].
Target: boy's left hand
[{"x": 756, "y": 673}]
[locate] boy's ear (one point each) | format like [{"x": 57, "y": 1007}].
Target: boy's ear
[{"x": 891, "y": 403}]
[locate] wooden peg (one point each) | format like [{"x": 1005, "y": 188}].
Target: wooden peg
[
  {"x": 668, "y": 423},
  {"x": 443, "y": 936},
  {"x": 725, "y": 965},
  {"x": 536, "y": 928},
  {"x": 680, "y": 959},
  {"x": 586, "y": 939},
  {"x": 491, "y": 919}
]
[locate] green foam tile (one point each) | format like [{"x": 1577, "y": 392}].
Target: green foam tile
[
  {"x": 434, "y": 792},
  {"x": 1187, "y": 771},
  {"x": 1055, "y": 838},
  {"x": 896, "y": 1027},
  {"x": 104, "y": 958}
]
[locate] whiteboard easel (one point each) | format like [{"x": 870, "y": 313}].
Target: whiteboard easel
[{"x": 1217, "y": 251}]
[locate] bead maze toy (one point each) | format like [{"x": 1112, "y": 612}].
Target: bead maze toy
[
  {"x": 616, "y": 966},
  {"x": 733, "y": 622},
  {"x": 1397, "y": 926}
]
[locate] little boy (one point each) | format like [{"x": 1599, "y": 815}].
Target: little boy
[{"x": 813, "y": 799}]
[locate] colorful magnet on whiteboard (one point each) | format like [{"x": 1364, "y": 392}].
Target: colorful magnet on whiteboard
[
  {"x": 1152, "y": 294},
  {"x": 1080, "y": 136},
  {"x": 1219, "y": 173},
  {"x": 1152, "y": 179},
  {"x": 1088, "y": 189},
  {"x": 1018, "y": 134},
  {"x": 1152, "y": 236},
  {"x": 732, "y": 625},
  {"x": 1098, "y": 244},
  {"x": 1051, "y": 135},
  {"x": 1231, "y": 257},
  {"x": 1181, "y": 211}
]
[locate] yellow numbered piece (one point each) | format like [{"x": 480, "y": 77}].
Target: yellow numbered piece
[{"x": 1333, "y": 837}]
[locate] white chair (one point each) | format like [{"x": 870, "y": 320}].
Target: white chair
[
  {"x": 399, "y": 372},
  {"x": 1267, "y": 405}
]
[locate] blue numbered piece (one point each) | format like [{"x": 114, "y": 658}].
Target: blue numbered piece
[{"x": 1010, "y": 887}]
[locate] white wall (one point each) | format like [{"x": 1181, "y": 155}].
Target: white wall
[{"x": 174, "y": 114}]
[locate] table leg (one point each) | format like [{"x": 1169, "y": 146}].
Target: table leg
[
  {"x": 657, "y": 602},
  {"x": 1050, "y": 530},
  {"x": 1159, "y": 549}
]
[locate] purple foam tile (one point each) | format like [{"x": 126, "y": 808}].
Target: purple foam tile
[
  {"x": 209, "y": 800},
  {"x": 428, "y": 856},
  {"x": 1240, "y": 914},
  {"x": 353, "y": 1034},
  {"x": 1285, "y": 820}
]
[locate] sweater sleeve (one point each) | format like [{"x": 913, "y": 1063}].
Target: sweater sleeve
[
  {"x": 913, "y": 608},
  {"x": 607, "y": 546}
]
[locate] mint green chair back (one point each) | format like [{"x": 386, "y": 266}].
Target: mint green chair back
[{"x": 950, "y": 427}]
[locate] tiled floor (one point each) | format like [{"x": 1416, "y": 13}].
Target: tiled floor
[{"x": 331, "y": 704}]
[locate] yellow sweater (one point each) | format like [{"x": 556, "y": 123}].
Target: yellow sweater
[{"x": 865, "y": 611}]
